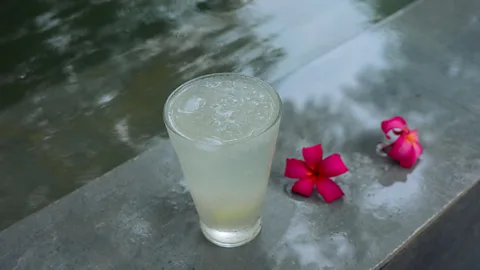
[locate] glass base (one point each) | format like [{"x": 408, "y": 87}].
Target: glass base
[{"x": 233, "y": 238}]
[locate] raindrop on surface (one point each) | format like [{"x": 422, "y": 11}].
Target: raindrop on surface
[
  {"x": 380, "y": 149},
  {"x": 179, "y": 34}
]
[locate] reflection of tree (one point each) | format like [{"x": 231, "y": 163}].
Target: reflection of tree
[
  {"x": 385, "y": 8},
  {"x": 221, "y": 5},
  {"x": 401, "y": 86},
  {"x": 40, "y": 38},
  {"x": 109, "y": 113},
  {"x": 43, "y": 42}
]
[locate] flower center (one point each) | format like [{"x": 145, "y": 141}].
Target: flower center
[
  {"x": 313, "y": 172},
  {"x": 409, "y": 136}
]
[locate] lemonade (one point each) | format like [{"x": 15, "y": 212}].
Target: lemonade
[{"x": 224, "y": 128}]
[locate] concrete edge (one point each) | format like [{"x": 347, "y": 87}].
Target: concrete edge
[{"x": 425, "y": 226}]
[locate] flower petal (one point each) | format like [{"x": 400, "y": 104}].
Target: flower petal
[
  {"x": 329, "y": 190},
  {"x": 401, "y": 149},
  {"x": 303, "y": 187},
  {"x": 333, "y": 166},
  {"x": 313, "y": 155},
  {"x": 296, "y": 168},
  {"x": 394, "y": 122},
  {"x": 416, "y": 152}
]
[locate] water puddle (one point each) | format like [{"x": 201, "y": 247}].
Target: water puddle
[{"x": 381, "y": 150}]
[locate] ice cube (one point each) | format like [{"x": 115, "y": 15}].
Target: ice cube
[{"x": 192, "y": 105}]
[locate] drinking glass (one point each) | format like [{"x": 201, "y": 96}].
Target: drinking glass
[{"x": 224, "y": 129}]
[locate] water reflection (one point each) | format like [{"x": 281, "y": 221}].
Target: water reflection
[
  {"x": 116, "y": 62},
  {"x": 40, "y": 42},
  {"x": 221, "y": 5},
  {"x": 333, "y": 101},
  {"x": 40, "y": 38}
]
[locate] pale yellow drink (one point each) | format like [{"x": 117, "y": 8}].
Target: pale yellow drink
[{"x": 224, "y": 129}]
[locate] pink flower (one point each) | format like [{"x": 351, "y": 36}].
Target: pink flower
[
  {"x": 316, "y": 172},
  {"x": 406, "y": 149}
]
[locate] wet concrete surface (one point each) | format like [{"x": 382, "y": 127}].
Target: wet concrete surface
[
  {"x": 87, "y": 94},
  {"x": 450, "y": 242},
  {"x": 140, "y": 216}
]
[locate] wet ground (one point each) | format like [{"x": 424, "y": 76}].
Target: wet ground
[
  {"x": 340, "y": 68},
  {"x": 82, "y": 83}
]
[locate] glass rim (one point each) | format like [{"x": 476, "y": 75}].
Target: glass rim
[{"x": 275, "y": 95}]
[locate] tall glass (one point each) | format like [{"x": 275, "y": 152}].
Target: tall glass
[{"x": 224, "y": 129}]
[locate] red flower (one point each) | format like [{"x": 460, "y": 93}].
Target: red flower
[
  {"x": 406, "y": 148},
  {"x": 316, "y": 171}
]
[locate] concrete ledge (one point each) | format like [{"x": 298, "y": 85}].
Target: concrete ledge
[
  {"x": 449, "y": 242},
  {"x": 140, "y": 216}
]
